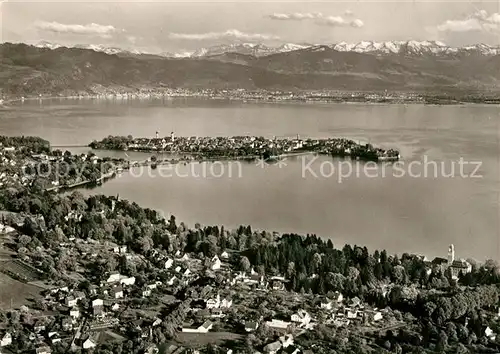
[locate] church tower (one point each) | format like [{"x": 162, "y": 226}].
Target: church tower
[{"x": 451, "y": 254}]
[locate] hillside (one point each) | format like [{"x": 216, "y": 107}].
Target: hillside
[{"x": 27, "y": 70}]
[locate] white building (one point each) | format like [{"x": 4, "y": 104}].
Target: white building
[
  {"x": 6, "y": 340},
  {"x": 117, "y": 292},
  {"x": 168, "y": 263},
  {"x": 97, "y": 302},
  {"x": 74, "y": 313},
  {"x": 88, "y": 344},
  {"x": 114, "y": 278},
  {"x": 286, "y": 340},
  {"x": 127, "y": 281},
  {"x": 214, "y": 303},
  {"x": 302, "y": 317},
  {"x": 278, "y": 324},
  {"x": 71, "y": 301},
  {"x": 216, "y": 263},
  {"x": 204, "y": 328}
]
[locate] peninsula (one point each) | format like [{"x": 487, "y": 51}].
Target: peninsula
[{"x": 246, "y": 147}]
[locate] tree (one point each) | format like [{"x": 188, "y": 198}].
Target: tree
[
  {"x": 245, "y": 264},
  {"x": 442, "y": 342},
  {"x": 316, "y": 262}
]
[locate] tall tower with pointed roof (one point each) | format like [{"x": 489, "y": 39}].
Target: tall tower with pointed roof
[{"x": 451, "y": 254}]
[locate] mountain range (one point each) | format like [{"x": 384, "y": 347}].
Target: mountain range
[
  {"x": 30, "y": 70},
  {"x": 380, "y": 48}
]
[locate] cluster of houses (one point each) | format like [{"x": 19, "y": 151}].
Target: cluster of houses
[
  {"x": 100, "y": 306},
  {"x": 241, "y": 145}
]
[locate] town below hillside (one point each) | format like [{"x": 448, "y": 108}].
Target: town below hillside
[
  {"x": 102, "y": 274},
  {"x": 312, "y": 74}
]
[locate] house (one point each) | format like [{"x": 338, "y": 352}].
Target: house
[
  {"x": 277, "y": 283},
  {"x": 488, "y": 332},
  {"x": 70, "y": 301},
  {"x": 341, "y": 322},
  {"x": 251, "y": 326},
  {"x": 156, "y": 322},
  {"x": 272, "y": 348},
  {"x": 226, "y": 303},
  {"x": 115, "y": 307},
  {"x": 213, "y": 303},
  {"x": 79, "y": 295},
  {"x": 186, "y": 272},
  {"x": 97, "y": 302},
  {"x": 302, "y": 317},
  {"x": 146, "y": 292},
  {"x": 204, "y": 328},
  {"x": 117, "y": 292},
  {"x": 224, "y": 255},
  {"x": 113, "y": 278},
  {"x": 215, "y": 263},
  {"x": 67, "y": 324},
  {"x": 326, "y": 305},
  {"x": 352, "y": 314},
  {"x": 458, "y": 267},
  {"x": 93, "y": 289},
  {"x": 172, "y": 280},
  {"x": 286, "y": 340},
  {"x": 278, "y": 324},
  {"x": 338, "y": 297},
  {"x": 39, "y": 327},
  {"x": 88, "y": 344},
  {"x": 377, "y": 316},
  {"x": 6, "y": 340},
  {"x": 74, "y": 312},
  {"x": 355, "y": 302},
  {"x": 54, "y": 337},
  {"x": 151, "y": 286},
  {"x": 168, "y": 263},
  {"x": 127, "y": 281}
]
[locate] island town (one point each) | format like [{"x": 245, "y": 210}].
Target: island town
[
  {"x": 101, "y": 274},
  {"x": 247, "y": 147}
]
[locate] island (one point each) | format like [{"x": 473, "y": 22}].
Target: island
[
  {"x": 101, "y": 274},
  {"x": 247, "y": 147}
]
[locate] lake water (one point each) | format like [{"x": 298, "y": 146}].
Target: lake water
[{"x": 400, "y": 214}]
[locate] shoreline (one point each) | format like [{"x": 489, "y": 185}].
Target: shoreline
[{"x": 327, "y": 101}]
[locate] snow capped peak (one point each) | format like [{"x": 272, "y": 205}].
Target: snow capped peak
[
  {"x": 411, "y": 47},
  {"x": 46, "y": 44}
]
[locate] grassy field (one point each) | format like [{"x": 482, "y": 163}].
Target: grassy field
[
  {"x": 20, "y": 293},
  {"x": 196, "y": 339}
]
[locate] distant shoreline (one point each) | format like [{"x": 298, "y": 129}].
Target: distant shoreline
[{"x": 431, "y": 100}]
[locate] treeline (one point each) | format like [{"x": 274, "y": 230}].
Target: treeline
[
  {"x": 25, "y": 144},
  {"x": 112, "y": 143}
]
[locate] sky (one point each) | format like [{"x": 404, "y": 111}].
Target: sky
[{"x": 168, "y": 26}]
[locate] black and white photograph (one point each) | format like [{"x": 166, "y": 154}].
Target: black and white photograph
[{"x": 249, "y": 177}]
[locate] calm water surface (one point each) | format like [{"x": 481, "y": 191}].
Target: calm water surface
[{"x": 421, "y": 215}]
